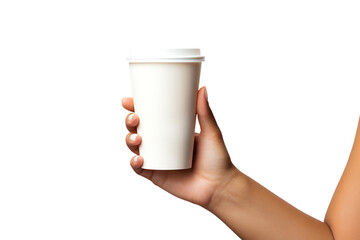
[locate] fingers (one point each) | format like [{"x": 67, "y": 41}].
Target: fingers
[
  {"x": 131, "y": 122},
  {"x": 133, "y": 141},
  {"x": 136, "y": 163},
  {"x": 206, "y": 118},
  {"x": 128, "y": 103}
]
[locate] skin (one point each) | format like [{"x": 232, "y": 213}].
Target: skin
[
  {"x": 343, "y": 215},
  {"x": 249, "y": 209}
]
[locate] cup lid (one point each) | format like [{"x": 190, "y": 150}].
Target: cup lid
[{"x": 165, "y": 55}]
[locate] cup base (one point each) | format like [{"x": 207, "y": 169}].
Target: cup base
[{"x": 166, "y": 168}]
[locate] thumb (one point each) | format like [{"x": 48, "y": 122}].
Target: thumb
[{"x": 206, "y": 118}]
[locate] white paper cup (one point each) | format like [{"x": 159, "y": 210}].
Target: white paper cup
[{"x": 164, "y": 86}]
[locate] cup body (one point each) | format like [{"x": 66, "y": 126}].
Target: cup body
[{"x": 165, "y": 96}]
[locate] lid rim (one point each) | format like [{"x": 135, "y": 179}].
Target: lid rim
[
  {"x": 130, "y": 60},
  {"x": 164, "y": 54},
  {"x": 169, "y": 57}
]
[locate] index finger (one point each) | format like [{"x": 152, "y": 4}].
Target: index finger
[{"x": 128, "y": 103}]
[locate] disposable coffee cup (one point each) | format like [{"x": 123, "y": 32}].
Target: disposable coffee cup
[{"x": 165, "y": 83}]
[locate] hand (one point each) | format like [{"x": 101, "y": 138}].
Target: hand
[{"x": 212, "y": 167}]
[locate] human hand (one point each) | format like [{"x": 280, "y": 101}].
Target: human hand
[{"x": 212, "y": 168}]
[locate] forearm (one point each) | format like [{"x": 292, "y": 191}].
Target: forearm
[
  {"x": 343, "y": 215},
  {"x": 253, "y": 212}
]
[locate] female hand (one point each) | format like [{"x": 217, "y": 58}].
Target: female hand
[{"x": 212, "y": 168}]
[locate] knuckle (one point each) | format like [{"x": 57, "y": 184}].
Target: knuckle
[
  {"x": 217, "y": 136},
  {"x": 220, "y": 135}
]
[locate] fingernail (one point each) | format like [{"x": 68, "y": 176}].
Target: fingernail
[
  {"x": 133, "y": 137},
  {"x": 135, "y": 159},
  {"x": 206, "y": 94},
  {"x": 131, "y": 116}
]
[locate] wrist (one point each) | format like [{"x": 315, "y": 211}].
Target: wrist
[{"x": 233, "y": 186}]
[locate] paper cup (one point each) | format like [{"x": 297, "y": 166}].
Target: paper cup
[{"x": 164, "y": 86}]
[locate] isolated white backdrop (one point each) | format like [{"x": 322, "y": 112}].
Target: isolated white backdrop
[{"x": 283, "y": 82}]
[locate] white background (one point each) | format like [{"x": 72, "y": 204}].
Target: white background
[{"x": 283, "y": 82}]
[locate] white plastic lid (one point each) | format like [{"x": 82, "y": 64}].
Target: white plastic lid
[{"x": 165, "y": 55}]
